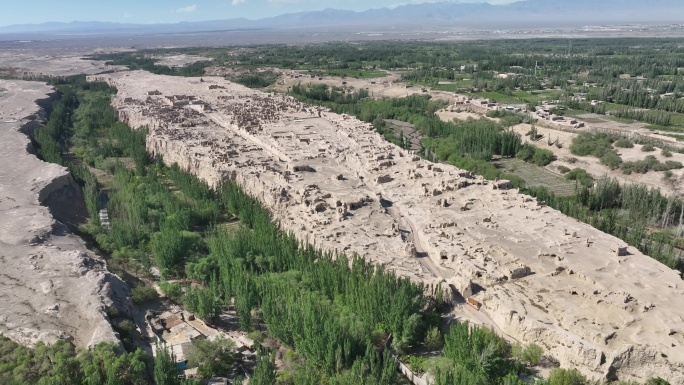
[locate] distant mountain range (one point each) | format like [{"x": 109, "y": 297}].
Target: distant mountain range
[{"x": 432, "y": 16}]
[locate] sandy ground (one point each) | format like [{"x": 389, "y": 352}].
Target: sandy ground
[
  {"x": 49, "y": 61},
  {"x": 449, "y": 116},
  {"x": 540, "y": 276},
  {"x": 594, "y": 167},
  {"x": 51, "y": 286}
]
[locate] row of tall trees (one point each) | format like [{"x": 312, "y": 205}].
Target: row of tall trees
[
  {"x": 325, "y": 306},
  {"x": 660, "y": 118},
  {"x": 83, "y": 132},
  {"x": 142, "y": 61},
  {"x": 51, "y": 138}
]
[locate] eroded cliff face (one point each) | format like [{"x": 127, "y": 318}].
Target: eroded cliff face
[
  {"x": 332, "y": 180},
  {"x": 591, "y": 352},
  {"x": 51, "y": 286}
]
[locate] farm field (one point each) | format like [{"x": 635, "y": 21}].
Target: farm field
[{"x": 536, "y": 176}]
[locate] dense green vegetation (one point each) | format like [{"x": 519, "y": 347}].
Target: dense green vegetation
[
  {"x": 60, "y": 363},
  {"x": 476, "y": 356},
  {"x": 630, "y": 74},
  {"x": 581, "y": 176},
  {"x": 635, "y": 79},
  {"x": 536, "y": 155},
  {"x": 341, "y": 315},
  {"x": 256, "y": 79}
]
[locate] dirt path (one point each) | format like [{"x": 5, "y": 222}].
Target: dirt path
[{"x": 421, "y": 254}]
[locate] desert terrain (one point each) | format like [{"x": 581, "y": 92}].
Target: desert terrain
[
  {"x": 52, "y": 287},
  {"x": 589, "y": 300},
  {"x": 31, "y": 63}
]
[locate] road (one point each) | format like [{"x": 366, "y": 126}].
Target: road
[{"x": 421, "y": 254}]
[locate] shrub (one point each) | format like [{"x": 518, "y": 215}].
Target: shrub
[
  {"x": 649, "y": 163},
  {"x": 543, "y": 157},
  {"x": 648, "y": 147},
  {"x": 659, "y": 167},
  {"x": 612, "y": 160},
  {"x": 627, "y": 168},
  {"x": 595, "y": 144},
  {"x": 256, "y": 336},
  {"x": 623, "y": 143},
  {"x": 580, "y": 175},
  {"x": 417, "y": 364},
  {"x": 172, "y": 290},
  {"x": 657, "y": 381},
  {"x": 538, "y": 156},
  {"x": 566, "y": 377},
  {"x": 571, "y": 160},
  {"x": 525, "y": 153},
  {"x": 651, "y": 160},
  {"x": 642, "y": 166},
  {"x": 125, "y": 328},
  {"x": 562, "y": 169},
  {"x": 673, "y": 165},
  {"x": 532, "y": 354},
  {"x": 666, "y": 153},
  {"x": 434, "y": 340},
  {"x": 212, "y": 358},
  {"x": 144, "y": 294}
]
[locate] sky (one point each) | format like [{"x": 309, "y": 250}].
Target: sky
[{"x": 169, "y": 11}]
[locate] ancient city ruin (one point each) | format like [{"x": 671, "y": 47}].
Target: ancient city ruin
[{"x": 536, "y": 275}]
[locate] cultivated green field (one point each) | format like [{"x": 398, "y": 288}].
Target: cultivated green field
[{"x": 537, "y": 176}]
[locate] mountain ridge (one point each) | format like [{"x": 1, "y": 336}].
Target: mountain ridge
[{"x": 542, "y": 13}]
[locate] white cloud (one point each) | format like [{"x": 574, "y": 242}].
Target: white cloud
[
  {"x": 238, "y": 2},
  {"x": 188, "y": 9}
]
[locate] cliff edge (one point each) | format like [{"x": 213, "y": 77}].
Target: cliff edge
[{"x": 51, "y": 286}]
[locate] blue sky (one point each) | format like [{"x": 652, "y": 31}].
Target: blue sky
[{"x": 167, "y": 11}]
